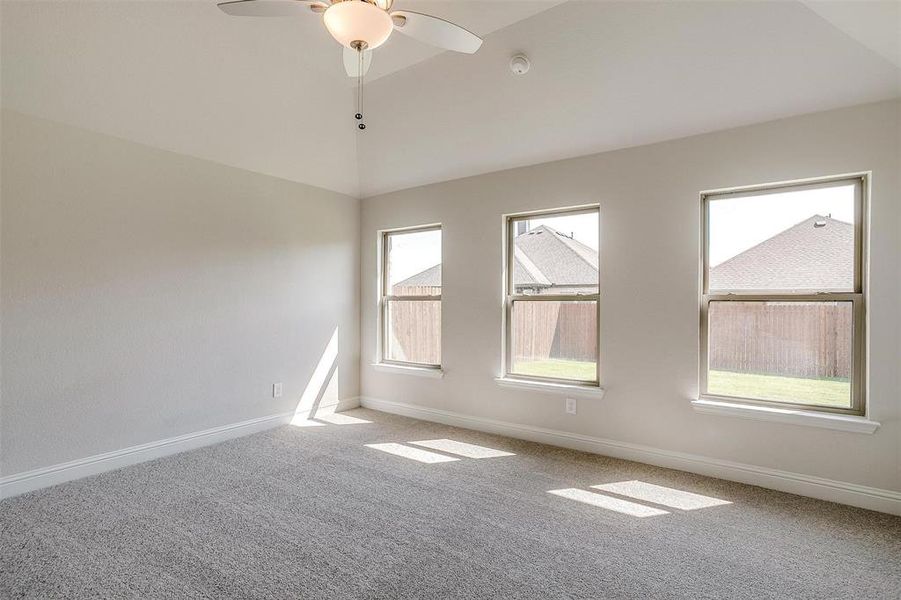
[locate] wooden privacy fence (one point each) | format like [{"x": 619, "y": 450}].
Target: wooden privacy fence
[
  {"x": 790, "y": 338},
  {"x": 541, "y": 330},
  {"x": 415, "y": 328},
  {"x": 534, "y": 325},
  {"x": 562, "y": 330}
]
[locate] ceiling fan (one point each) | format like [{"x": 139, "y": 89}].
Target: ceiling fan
[{"x": 362, "y": 26}]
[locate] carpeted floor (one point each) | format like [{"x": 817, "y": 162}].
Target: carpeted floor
[{"x": 313, "y": 512}]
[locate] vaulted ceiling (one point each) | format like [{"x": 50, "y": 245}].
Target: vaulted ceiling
[{"x": 270, "y": 95}]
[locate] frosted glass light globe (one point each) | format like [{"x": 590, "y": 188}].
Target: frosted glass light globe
[{"x": 358, "y": 21}]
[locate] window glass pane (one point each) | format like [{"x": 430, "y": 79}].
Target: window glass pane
[
  {"x": 414, "y": 263},
  {"x": 556, "y": 254},
  {"x": 555, "y": 339},
  {"x": 799, "y": 240},
  {"x": 414, "y": 331},
  {"x": 785, "y": 351}
]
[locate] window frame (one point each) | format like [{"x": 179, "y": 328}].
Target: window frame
[
  {"x": 510, "y": 297},
  {"x": 385, "y": 298},
  {"x": 857, "y": 296}
]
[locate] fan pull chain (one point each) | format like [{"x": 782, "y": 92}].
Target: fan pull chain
[{"x": 359, "y": 115}]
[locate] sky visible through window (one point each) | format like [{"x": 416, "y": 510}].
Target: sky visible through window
[
  {"x": 582, "y": 227},
  {"x": 412, "y": 253},
  {"x": 737, "y": 224}
]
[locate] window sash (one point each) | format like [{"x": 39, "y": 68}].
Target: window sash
[
  {"x": 425, "y": 298},
  {"x": 510, "y": 341},
  {"x": 859, "y": 183},
  {"x": 510, "y": 298},
  {"x": 385, "y": 298},
  {"x": 511, "y": 235},
  {"x": 385, "y": 304},
  {"x": 857, "y": 366},
  {"x": 857, "y": 296}
]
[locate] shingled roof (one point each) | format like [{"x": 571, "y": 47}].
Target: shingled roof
[
  {"x": 815, "y": 254},
  {"x": 543, "y": 258},
  {"x": 431, "y": 277},
  {"x": 557, "y": 260}
]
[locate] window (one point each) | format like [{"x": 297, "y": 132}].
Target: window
[
  {"x": 782, "y": 311},
  {"x": 411, "y": 297},
  {"x": 551, "y": 309}
]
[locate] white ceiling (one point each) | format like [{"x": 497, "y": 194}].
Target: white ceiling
[
  {"x": 480, "y": 17},
  {"x": 270, "y": 95},
  {"x": 608, "y": 75},
  {"x": 875, "y": 24}
]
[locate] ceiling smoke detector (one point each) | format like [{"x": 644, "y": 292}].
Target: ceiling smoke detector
[{"x": 519, "y": 64}]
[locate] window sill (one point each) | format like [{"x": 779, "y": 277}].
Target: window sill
[
  {"x": 553, "y": 388},
  {"x": 434, "y": 373},
  {"x": 791, "y": 416}
]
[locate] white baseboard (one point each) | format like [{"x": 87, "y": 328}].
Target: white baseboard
[
  {"x": 887, "y": 501},
  {"x": 347, "y": 404},
  {"x": 35, "y": 479}
]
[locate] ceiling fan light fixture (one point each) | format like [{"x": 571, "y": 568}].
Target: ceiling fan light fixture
[{"x": 358, "y": 21}]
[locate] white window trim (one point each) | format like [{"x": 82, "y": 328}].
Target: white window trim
[
  {"x": 563, "y": 389},
  {"x": 837, "y": 422},
  {"x": 381, "y": 320},
  {"x": 859, "y": 298},
  {"x": 431, "y": 372},
  {"x": 510, "y": 379}
]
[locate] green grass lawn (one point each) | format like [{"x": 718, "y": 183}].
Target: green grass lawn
[
  {"x": 824, "y": 392},
  {"x": 555, "y": 367}
]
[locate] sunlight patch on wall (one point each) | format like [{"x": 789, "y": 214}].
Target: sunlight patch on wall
[
  {"x": 615, "y": 504},
  {"x": 321, "y": 392},
  {"x": 462, "y": 448},
  {"x": 659, "y": 494},
  {"x": 423, "y": 456}
]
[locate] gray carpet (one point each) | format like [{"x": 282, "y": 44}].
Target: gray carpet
[{"x": 314, "y": 513}]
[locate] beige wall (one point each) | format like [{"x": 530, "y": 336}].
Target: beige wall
[
  {"x": 146, "y": 294},
  {"x": 649, "y": 289}
]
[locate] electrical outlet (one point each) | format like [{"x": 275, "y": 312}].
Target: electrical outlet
[
  {"x": 276, "y": 390},
  {"x": 571, "y": 406}
]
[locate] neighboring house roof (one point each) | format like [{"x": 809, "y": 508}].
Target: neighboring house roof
[
  {"x": 560, "y": 259},
  {"x": 431, "y": 277},
  {"x": 803, "y": 257},
  {"x": 815, "y": 254},
  {"x": 526, "y": 272},
  {"x": 543, "y": 257}
]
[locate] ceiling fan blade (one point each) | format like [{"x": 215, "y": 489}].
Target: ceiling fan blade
[
  {"x": 435, "y": 31},
  {"x": 352, "y": 61},
  {"x": 271, "y": 8}
]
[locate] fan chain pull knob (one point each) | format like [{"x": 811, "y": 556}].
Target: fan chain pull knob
[
  {"x": 358, "y": 116},
  {"x": 362, "y": 125}
]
